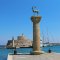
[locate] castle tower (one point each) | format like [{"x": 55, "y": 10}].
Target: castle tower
[
  {"x": 36, "y": 33},
  {"x": 13, "y": 41}
]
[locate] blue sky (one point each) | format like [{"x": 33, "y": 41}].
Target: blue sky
[{"x": 15, "y": 19}]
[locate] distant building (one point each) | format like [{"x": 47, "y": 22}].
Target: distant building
[{"x": 21, "y": 41}]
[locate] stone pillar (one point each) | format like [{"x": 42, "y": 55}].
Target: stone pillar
[{"x": 36, "y": 35}]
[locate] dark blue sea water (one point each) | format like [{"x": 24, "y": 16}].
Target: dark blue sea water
[{"x": 4, "y": 52}]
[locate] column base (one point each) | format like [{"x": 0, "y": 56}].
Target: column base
[{"x": 37, "y": 52}]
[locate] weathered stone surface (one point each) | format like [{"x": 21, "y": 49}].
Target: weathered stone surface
[
  {"x": 36, "y": 34},
  {"x": 21, "y": 41},
  {"x": 45, "y": 56}
]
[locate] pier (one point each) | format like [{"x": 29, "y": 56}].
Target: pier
[{"x": 45, "y": 56}]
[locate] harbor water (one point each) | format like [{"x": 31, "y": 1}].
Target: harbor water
[{"x": 4, "y": 52}]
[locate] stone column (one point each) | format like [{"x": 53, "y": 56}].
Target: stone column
[{"x": 36, "y": 35}]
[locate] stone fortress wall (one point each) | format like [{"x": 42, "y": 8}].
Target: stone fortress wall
[{"x": 21, "y": 41}]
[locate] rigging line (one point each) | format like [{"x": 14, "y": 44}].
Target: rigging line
[
  {"x": 43, "y": 37},
  {"x": 48, "y": 34},
  {"x": 47, "y": 38}
]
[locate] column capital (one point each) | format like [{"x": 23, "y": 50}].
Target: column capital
[{"x": 36, "y": 19}]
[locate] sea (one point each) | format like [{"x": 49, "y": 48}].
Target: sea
[{"x": 4, "y": 52}]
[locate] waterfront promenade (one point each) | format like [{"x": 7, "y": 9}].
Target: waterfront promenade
[{"x": 45, "y": 56}]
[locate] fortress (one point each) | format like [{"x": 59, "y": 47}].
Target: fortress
[{"x": 21, "y": 41}]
